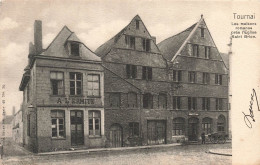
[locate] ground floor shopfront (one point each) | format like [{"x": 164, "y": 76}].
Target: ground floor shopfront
[
  {"x": 156, "y": 127},
  {"x": 62, "y": 128}
]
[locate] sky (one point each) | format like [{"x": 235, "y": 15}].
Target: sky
[{"x": 95, "y": 22}]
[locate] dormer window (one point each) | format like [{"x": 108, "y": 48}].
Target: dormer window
[
  {"x": 137, "y": 24},
  {"x": 74, "y": 49}
]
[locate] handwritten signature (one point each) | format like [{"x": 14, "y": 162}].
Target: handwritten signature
[{"x": 249, "y": 117}]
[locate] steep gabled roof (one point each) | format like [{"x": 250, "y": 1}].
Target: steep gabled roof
[
  {"x": 225, "y": 58},
  {"x": 57, "y": 47},
  {"x": 170, "y": 46}
]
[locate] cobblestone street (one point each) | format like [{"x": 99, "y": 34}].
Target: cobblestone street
[{"x": 178, "y": 155}]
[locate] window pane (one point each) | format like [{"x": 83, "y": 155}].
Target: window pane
[
  {"x": 90, "y": 121},
  {"x": 96, "y": 124},
  {"x": 59, "y": 75},
  {"x": 53, "y": 75}
]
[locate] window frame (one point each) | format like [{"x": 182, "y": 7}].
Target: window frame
[
  {"x": 58, "y": 124},
  {"x": 176, "y": 103},
  {"x": 206, "y": 78},
  {"x": 207, "y": 52},
  {"x": 57, "y": 80},
  {"x": 195, "y": 46},
  {"x": 205, "y": 103},
  {"x": 219, "y": 104},
  {"x": 134, "y": 130},
  {"x": 159, "y": 101},
  {"x": 178, "y": 125},
  {"x": 177, "y": 75},
  {"x": 130, "y": 42},
  {"x": 137, "y": 24},
  {"x": 128, "y": 99},
  {"x": 146, "y": 44},
  {"x": 147, "y": 73},
  {"x": 93, "y": 112},
  {"x": 149, "y": 101},
  {"x": 206, "y": 122},
  {"x": 192, "y": 77},
  {"x": 202, "y": 32},
  {"x": 98, "y": 75},
  {"x": 192, "y": 103},
  {"x": 72, "y": 48},
  {"x": 218, "y": 79},
  {"x": 75, "y": 83},
  {"x": 131, "y": 71},
  {"x": 113, "y": 94}
]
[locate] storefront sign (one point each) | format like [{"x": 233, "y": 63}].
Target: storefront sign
[{"x": 75, "y": 101}]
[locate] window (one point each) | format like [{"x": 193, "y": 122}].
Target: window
[
  {"x": 192, "y": 77},
  {"x": 28, "y": 125},
  {"x": 147, "y": 100},
  {"x": 57, "y": 123},
  {"x": 93, "y": 85},
  {"x": 177, "y": 75},
  {"x": 178, "y": 126},
  {"x": 131, "y": 71},
  {"x": 133, "y": 129},
  {"x": 206, "y": 78},
  {"x": 75, "y": 83},
  {"x": 132, "y": 100},
  {"x": 147, "y": 73},
  {"x": 130, "y": 42},
  {"x": 146, "y": 44},
  {"x": 94, "y": 121},
  {"x": 114, "y": 99},
  {"x": 74, "y": 47},
  {"x": 218, "y": 79},
  {"x": 206, "y": 125},
  {"x": 202, "y": 32},
  {"x": 219, "y": 104},
  {"x": 205, "y": 103},
  {"x": 162, "y": 101},
  {"x": 137, "y": 24},
  {"x": 57, "y": 83},
  {"x": 28, "y": 92},
  {"x": 195, "y": 50},
  {"x": 192, "y": 103},
  {"x": 221, "y": 123},
  {"x": 207, "y": 52},
  {"x": 176, "y": 102}
]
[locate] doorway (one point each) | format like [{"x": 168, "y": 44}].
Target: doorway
[
  {"x": 116, "y": 136},
  {"x": 76, "y": 127},
  {"x": 193, "y": 129},
  {"x": 156, "y": 132}
]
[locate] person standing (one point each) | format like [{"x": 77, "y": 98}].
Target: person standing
[{"x": 203, "y": 138}]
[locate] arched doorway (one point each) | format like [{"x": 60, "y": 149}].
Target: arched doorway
[
  {"x": 116, "y": 135},
  {"x": 193, "y": 129}
]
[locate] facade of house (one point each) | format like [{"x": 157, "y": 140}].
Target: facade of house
[
  {"x": 199, "y": 81},
  {"x": 165, "y": 93},
  {"x": 6, "y": 126},
  {"x": 63, "y": 104},
  {"x": 18, "y": 127}
]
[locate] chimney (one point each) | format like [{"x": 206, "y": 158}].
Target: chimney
[{"x": 38, "y": 36}]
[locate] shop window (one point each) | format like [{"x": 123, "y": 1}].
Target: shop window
[
  {"x": 219, "y": 104},
  {"x": 207, "y": 52},
  {"x": 93, "y": 85},
  {"x": 207, "y": 125},
  {"x": 74, "y": 48},
  {"x": 147, "y": 100},
  {"x": 192, "y": 77},
  {"x": 205, "y": 103},
  {"x": 206, "y": 78},
  {"x": 114, "y": 100},
  {"x": 130, "y": 42},
  {"x": 192, "y": 103},
  {"x": 133, "y": 129},
  {"x": 162, "y": 101},
  {"x": 131, "y": 71},
  {"x": 132, "y": 99},
  {"x": 75, "y": 83},
  {"x": 195, "y": 50},
  {"x": 176, "y": 102},
  {"x": 94, "y": 123},
  {"x": 218, "y": 79},
  {"x": 57, "y": 83},
  {"x": 57, "y": 123},
  {"x": 178, "y": 126},
  {"x": 147, "y": 73},
  {"x": 146, "y": 44},
  {"x": 177, "y": 75}
]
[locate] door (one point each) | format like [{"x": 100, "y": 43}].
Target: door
[
  {"x": 76, "y": 121},
  {"x": 156, "y": 132},
  {"x": 116, "y": 136},
  {"x": 193, "y": 129}
]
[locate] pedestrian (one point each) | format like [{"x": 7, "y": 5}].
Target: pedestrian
[{"x": 203, "y": 138}]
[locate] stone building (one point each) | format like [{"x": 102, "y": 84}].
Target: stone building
[
  {"x": 63, "y": 95},
  {"x": 18, "y": 128},
  {"x": 199, "y": 81},
  {"x": 137, "y": 91}
]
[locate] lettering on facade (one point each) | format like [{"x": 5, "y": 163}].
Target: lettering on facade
[{"x": 73, "y": 101}]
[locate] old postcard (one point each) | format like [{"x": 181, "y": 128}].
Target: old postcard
[{"x": 129, "y": 82}]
